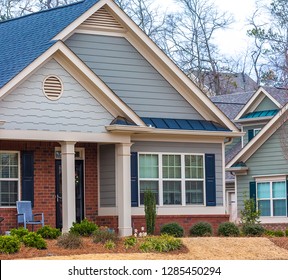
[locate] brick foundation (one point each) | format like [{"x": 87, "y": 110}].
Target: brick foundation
[{"x": 186, "y": 221}]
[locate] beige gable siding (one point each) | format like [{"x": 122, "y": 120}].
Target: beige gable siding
[
  {"x": 131, "y": 76},
  {"x": 266, "y": 104},
  {"x": 27, "y": 108}
]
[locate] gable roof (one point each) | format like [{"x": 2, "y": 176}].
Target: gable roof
[
  {"x": 257, "y": 141},
  {"x": 30, "y": 40},
  {"x": 27, "y": 37}
]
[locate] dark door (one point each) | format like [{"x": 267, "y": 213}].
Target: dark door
[{"x": 79, "y": 191}]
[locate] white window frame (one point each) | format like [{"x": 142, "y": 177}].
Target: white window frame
[
  {"x": 256, "y": 131},
  {"x": 272, "y": 180},
  {"x": 160, "y": 178},
  {"x": 12, "y": 179}
]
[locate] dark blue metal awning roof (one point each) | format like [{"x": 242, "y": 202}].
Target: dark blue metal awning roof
[{"x": 182, "y": 124}]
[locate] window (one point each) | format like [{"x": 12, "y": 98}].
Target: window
[
  {"x": 256, "y": 131},
  {"x": 9, "y": 178},
  {"x": 271, "y": 198},
  {"x": 175, "y": 179}
]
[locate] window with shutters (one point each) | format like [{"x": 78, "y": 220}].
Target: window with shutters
[
  {"x": 9, "y": 178},
  {"x": 175, "y": 179}
]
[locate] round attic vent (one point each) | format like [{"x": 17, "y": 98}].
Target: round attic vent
[{"x": 52, "y": 87}]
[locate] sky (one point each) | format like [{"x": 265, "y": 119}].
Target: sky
[{"x": 234, "y": 39}]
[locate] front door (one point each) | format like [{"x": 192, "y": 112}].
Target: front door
[{"x": 79, "y": 192}]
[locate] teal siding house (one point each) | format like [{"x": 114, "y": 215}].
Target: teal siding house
[
  {"x": 93, "y": 113},
  {"x": 259, "y": 166}
]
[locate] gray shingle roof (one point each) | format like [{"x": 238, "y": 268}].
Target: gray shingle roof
[{"x": 24, "y": 39}]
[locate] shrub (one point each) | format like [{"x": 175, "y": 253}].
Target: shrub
[
  {"x": 228, "y": 229},
  {"x": 32, "y": 239},
  {"x": 253, "y": 230},
  {"x": 19, "y": 232},
  {"x": 48, "y": 232},
  {"x": 150, "y": 211},
  {"x": 163, "y": 243},
  {"x": 173, "y": 229},
  {"x": 274, "y": 233},
  {"x": 69, "y": 241},
  {"x": 201, "y": 229},
  {"x": 84, "y": 228},
  {"x": 249, "y": 214},
  {"x": 130, "y": 241},
  {"x": 286, "y": 232},
  {"x": 9, "y": 244},
  {"x": 109, "y": 244},
  {"x": 104, "y": 234}
]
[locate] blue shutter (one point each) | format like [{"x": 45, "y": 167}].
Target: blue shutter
[
  {"x": 27, "y": 175},
  {"x": 210, "y": 180},
  {"x": 250, "y": 134},
  {"x": 252, "y": 192},
  {"x": 134, "y": 179}
]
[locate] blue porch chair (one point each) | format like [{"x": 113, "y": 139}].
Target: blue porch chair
[{"x": 25, "y": 215}]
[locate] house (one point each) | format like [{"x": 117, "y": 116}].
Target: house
[
  {"x": 258, "y": 160},
  {"x": 93, "y": 113}
]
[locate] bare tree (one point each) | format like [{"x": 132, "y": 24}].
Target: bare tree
[
  {"x": 148, "y": 16},
  {"x": 190, "y": 36},
  {"x": 271, "y": 43}
]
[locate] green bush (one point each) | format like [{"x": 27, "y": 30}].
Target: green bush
[
  {"x": 286, "y": 232},
  {"x": 253, "y": 230},
  {"x": 228, "y": 229},
  {"x": 201, "y": 229},
  {"x": 9, "y": 244},
  {"x": 163, "y": 243},
  {"x": 109, "y": 244},
  {"x": 173, "y": 229},
  {"x": 130, "y": 241},
  {"x": 84, "y": 228},
  {"x": 274, "y": 233},
  {"x": 48, "y": 232},
  {"x": 19, "y": 232},
  {"x": 150, "y": 211},
  {"x": 69, "y": 241},
  {"x": 104, "y": 234},
  {"x": 32, "y": 239}
]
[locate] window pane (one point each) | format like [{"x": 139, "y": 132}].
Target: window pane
[
  {"x": 171, "y": 166},
  {"x": 279, "y": 190},
  {"x": 172, "y": 192},
  {"x": 194, "y": 166},
  {"x": 194, "y": 192},
  {"x": 264, "y": 207},
  {"x": 149, "y": 185},
  {"x": 263, "y": 190},
  {"x": 279, "y": 207},
  {"x": 8, "y": 165},
  {"x": 148, "y": 166},
  {"x": 9, "y": 193}
]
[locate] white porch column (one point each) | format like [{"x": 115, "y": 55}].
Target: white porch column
[
  {"x": 123, "y": 183},
  {"x": 68, "y": 185}
]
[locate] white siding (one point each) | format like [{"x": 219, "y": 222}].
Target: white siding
[{"x": 27, "y": 108}]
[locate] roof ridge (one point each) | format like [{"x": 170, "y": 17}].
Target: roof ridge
[{"x": 42, "y": 11}]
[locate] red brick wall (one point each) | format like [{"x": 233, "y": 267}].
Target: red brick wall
[
  {"x": 186, "y": 221},
  {"x": 44, "y": 181}
]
